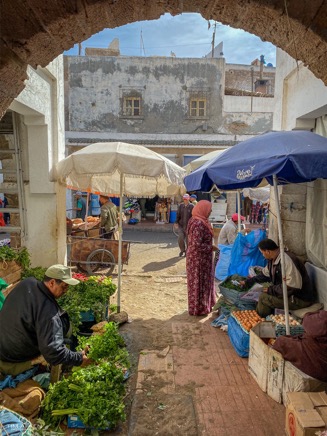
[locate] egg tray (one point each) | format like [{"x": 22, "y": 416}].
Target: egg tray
[
  {"x": 240, "y": 325},
  {"x": 280, "y": 329}
]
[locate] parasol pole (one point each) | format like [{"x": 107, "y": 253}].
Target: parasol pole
[
  {"x": 120, "y": 241},
  {"x": 238, "y": 198},
  {"x": 282, "y": 255},
  {"x": 87, "y": 208}
]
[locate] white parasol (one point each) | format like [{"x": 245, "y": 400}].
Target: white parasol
[{"x": 118, "y": 168}]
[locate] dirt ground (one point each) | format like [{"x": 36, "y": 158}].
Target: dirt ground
[{"x": 154, "y": 294}]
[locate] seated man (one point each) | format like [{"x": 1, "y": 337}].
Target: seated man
[
  {"x": 32, "y": 324},
  {"x": 229, "y": 231},
  {"x": 299, "y": 288}
]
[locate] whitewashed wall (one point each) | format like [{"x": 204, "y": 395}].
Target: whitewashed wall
[
  {"x": 40, "y": 109},
  {"x": 300, "y": 98}
]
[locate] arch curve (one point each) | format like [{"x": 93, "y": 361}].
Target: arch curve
[{"x": 36, "y": 31}]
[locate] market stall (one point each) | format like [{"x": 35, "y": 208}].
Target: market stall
[{"x": 275, "y": 157}]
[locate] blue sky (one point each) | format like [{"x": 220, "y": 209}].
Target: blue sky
[{"x": 186, "y": 35}]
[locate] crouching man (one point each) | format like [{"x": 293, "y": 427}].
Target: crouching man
[{"x": 33, "y": 324}]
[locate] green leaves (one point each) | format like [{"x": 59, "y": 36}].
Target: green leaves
[
  {"x": 92, "y": 293},
  {"x": 94, "y": 393},
  {"x": 37, "y": 272},
  {"x": 107, "y": 346},
  {"x": 21, "y": 256},
  {"x": 97, "y": 401}
]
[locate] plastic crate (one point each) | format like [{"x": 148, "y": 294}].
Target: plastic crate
[
  {"x": 232, "y": 296},
  {"x": 281, "y": 328},
  {"x": 74, "y": 421},
  {"x": 87, "y": 316}
]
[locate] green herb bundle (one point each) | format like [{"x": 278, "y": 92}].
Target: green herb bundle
[
  {"x": 92, "y": 293},
  {"x": 37, "y": 272},
  {"x": 106, "y": 346},
  {"x": 94, "y": 393}
]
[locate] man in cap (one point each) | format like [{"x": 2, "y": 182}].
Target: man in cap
[
  {"x": 33, "y": 324},
  {"x": 80, "y": 205},
  {"x": 229, "y": 231},
  {"x": 109, "y": 217},
  {"x": 184, "y": 213},
  {"x": 193, "y": 199}
]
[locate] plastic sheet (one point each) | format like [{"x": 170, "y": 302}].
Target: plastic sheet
[
  {"x": 223, "y": 263},
  {"x": 245, "y": 253},
  {"x": 238, "y": 337}
]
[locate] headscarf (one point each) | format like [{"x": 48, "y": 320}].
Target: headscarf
[{"x": 201, "y": 211}]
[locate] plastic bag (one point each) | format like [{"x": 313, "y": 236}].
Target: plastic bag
[
  {"x": 245, "y": 253},
  {"x": 3, "y": 285},
  {"x": 223, "y": 263}
]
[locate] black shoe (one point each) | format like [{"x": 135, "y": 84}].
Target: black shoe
[{"x": 181, "y": 253}]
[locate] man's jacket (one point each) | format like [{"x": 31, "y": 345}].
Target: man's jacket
[
  {"x": 109, "y": 216},
  {"x": 33, "y": 324},
  {"x": 297, "y": 279}
]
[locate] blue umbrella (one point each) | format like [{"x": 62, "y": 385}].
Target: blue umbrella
[
  {"x": 294, "y": 157},
  {"x": 277, "y": 157}
]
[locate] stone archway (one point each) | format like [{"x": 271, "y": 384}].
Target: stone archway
[{"x": 34, "y": 32}]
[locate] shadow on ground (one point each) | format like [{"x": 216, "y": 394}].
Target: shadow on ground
[{"x": 158, "y": 266}]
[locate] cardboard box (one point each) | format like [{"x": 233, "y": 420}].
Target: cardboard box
[
  {"x": 306, "y": 413},
  {"x": 275, "y": 375},
  {"x": 297, "y": 381},
  {"x": 258, "y": 354}
]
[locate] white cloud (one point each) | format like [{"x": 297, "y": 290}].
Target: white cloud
[{"x": 187, "y": 35}]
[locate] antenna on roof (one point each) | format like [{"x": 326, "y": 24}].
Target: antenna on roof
[
  {"x": 213, "y": 40},
  {"x": 142, "y": 45}
]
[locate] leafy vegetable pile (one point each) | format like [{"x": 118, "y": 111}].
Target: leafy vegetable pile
[
  {"x": 21, "y": 256},
  {"x": 107, "y": 346},
  {"x": 94, "y": 393},
  {"x": 231, "y": 283},
  {"x": 37, "y": 272},
  {"x": 92, "y": 293}
]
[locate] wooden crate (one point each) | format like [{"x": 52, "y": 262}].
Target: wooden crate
[
  {"x": 94, "y": 233},
  {"x": 10, "y": 272}
]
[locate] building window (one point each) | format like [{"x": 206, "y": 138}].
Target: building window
[
  {"x": 198, "y": 107},
  {"x": 132, "y": 106}
]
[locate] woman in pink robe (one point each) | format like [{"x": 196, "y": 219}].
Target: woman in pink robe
[{"x": 199, "y": 261}]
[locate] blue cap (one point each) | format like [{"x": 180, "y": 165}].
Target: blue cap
[{"x": 193, "y": 196}]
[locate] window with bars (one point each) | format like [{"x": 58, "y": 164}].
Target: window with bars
[
  {"x": 132, "y": 106},
  {"x": 198, "y": 107}
]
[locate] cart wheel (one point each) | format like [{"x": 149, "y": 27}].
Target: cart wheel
[{"x": 100, "y": 261}]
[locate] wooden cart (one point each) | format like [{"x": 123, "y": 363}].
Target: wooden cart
[{"x": 97, "y": 256}]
